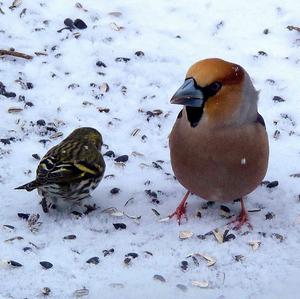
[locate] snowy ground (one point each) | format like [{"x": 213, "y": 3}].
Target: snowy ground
[{"x": 172, "y": 35}]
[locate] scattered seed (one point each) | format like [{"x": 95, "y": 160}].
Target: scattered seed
[
  {"x": 46, "y": 291},
  {"x": 15, "y": 4},
  {"x": 227, "y": 237},
  {"x": 139, "y": 53},
  {"x": 104, "y": 87},
  {"x": 119, "y": 226},
  {"x": 218, "y": 235},
  {"x": 7, "y": 226},
  {"x": 115, "y": 27},
  {"x": 276, "y": 134},
  {"x": 14, "y": 238},
  {"x": 262, "y": 53},
  {"x": 27, "y": 249},
  {"x": 36, "y": 156},
  {"x": 122, "y": 59},
  {"x": 75, "y": 213},
  {"x": 272, "y": 184},
  {"x": 93, "y": 260},
  {"x": 200, "y": 283},
  {"x": 14, "y": 264},
  {"x": 114, "y": 190},
  {"x": 255, "y": 244},
  {"x": 239, "y": 258},
  {"x": 46, "y": 265},
  {"x": 159, "y": 277},
  {"x": 278, "y": 99},
  {"x": 151, "y": 193},
  {"x": 116, "y": 285},
  {"x": 127, "y": 260},
  {"x": 295, "y": 175},
  {"x": 69, "y": 23},
  {"x": 78, "y": 23},
  {"x": 149, "y": 253},
  {"x": 291, "y": 27},
  {"x": 135, "y": 132},
  {"x": 14, "y": 110},
  {"x": 269, "y": 215},
  {"x": 266, "y": 31},
  {"x": 108, "y": 252},
  {"x": 278, "y": 237},
  {"x": 81, "y": 293},
  {"x": 184, "y": 265},
  {"x": 132, "y": 254},
  {"x": 69, "y": 237},
  {"x": 181, "y": 287},
  {"x": 155, "y": 212},
  {"x": 123, "y": 158},
  {"x": 156, "y": 165},
  {"x": 110, "y": 154},
  {"x": 116, "y": 14},
  {"x": 185, "y": 235}
]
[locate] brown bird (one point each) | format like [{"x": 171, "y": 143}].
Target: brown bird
[
  {"x": 70, "y": 170},
  {"x": 219, "y": 144}
]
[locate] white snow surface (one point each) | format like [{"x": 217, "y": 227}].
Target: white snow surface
[{"x": 173, "y": 35}]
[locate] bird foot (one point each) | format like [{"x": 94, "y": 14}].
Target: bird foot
[
  {"x": 90, "y": 208},
  {"x": 240, "y": 221},
  {"x": 179, "y": 212}
]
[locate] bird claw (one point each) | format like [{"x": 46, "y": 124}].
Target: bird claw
[
  {"x": 179, "y": 212},
  {"x": 240, "y": 221}
]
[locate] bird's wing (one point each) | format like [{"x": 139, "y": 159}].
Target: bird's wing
[{"x": 53, "y": 170}]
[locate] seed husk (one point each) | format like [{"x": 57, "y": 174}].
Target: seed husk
[
  {"x": 119, "y": 226},
  {"x": 93, "y": 260}
]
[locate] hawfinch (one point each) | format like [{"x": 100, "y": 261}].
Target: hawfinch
[
  {"x": 219, "y": 144},
  {"x": 69, "y": 170}
]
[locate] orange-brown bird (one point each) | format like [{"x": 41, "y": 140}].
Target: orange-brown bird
[
  {"x": 70, "y": 170},
  {"x": 219, "y": 144}
]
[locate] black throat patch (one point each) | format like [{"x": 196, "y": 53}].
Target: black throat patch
[{"x": 194, "y": 115}]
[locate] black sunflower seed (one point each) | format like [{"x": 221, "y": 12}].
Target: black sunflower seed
[
  {"x": 119, "y": 225},
  {"x": 23, "y": 216},
  {"x": 139, "y": 53},
  {"x": 46, "y": 265},
  {"x": 132, "y": 254},
  {"x": 122, "y": 59},
  {"x": 93, "y": 260},
  {"x": 123, "y": 158},
  {"x": 272, "y": 184},
  {"x": 278, "y": 99},
  {"x": 41, "y": 122},
  {"x": 70, "y": 237},
  {"x": 184, "y": 265},
  {"x": 14, "y": 264},
  {"x": 36, "y": 156},
  {"x": 78, "y": 23},
  {"x": 110, "y": 154},
  {"x": 114, "y": 190},
  {"x": 127, "y": 260},
  {"x": 69, "y": 23},
  {"x": 100, "y": 63}
]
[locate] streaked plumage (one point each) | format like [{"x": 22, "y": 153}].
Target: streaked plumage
[
  {"x": 70, "y": 170},
  {"x": 219, "y": 145}
]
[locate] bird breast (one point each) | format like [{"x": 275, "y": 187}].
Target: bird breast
[{"x": 219, "y": 164}]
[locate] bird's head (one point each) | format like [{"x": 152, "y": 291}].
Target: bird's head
[
  {"x": 90, "y": 135},
  {"x": 219, "y": 92}
]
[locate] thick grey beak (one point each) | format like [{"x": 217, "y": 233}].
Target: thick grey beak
[{"x": 188, "y": 94}]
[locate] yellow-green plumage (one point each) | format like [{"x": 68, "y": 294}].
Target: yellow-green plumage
[{"x": 71, "y": 169}]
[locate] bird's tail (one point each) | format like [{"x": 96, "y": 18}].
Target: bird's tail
[{"x": 29, "y": 186}]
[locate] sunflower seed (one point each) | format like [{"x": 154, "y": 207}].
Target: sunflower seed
[
  {"x": 93, "y": 260},
  {"x": 81, "y": 293},
  {"x": 46, "y": 291},
  {"x": 119, "y": 226},
  {"x": 185, "y": 235},
  {"x": 14, "y": 238},
  {"x": 255, "y": 244},
  {"x": 14, "y": 264},
  {"x": 116, "y": 14},
  {"x": 127, "y": 260},
  {"x": 123, "y": 158},
  {"x": 7, "y": 226},
  {"x": 46, "y": 265},
  {"x": 104, "y": 87},
  {"x": 218, "y": 235},
  {"x": 15, "y": 4},
  {"x": 200, "y": 283},
  {"x": 272, "y": 184},
  {"x": 116, "y": 27},
  {"x": 14, "y": 110},
  {"x": 78, "y": 23},
  {"x": 182, "y": 287},
  {"x": 159, "y": 277},
  {"x": 69, "y": 237}
]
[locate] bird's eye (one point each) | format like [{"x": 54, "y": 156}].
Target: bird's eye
[
  {"x": 212, "y": 89},
  {"x": 215, "y": 86}
]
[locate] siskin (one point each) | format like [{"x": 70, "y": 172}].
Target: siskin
[{"x": 69, "y": 170}]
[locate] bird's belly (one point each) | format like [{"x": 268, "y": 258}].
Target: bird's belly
[
  {"x": 221, "y": 170},
  {"x": 66, "y": 194}
]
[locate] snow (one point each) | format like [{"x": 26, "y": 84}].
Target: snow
[{"x": 232, "y": 30}]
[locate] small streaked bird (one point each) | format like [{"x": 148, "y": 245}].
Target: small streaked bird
[
  {"x": 219, "y": 144},
  {"x": 70, "y": 170}
]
